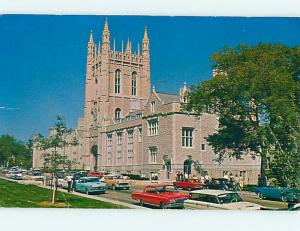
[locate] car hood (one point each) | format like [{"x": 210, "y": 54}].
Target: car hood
[
  {"x": 122, "y": 181},
  {"x": 243, "y": 205}
]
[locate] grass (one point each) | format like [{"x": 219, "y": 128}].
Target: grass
[{"x": 14, "y": 195}]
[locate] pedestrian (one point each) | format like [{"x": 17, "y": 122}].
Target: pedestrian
[
  {"x": 69, "y": 181},
  {"x": 73, "y": 184},
  {"x": 226, "y": 176},
  {"x": 231, "y": 178},
  {"x": 241, "y": 182}
]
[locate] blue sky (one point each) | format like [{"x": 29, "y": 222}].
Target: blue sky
[{"x": 43, "y": 58}]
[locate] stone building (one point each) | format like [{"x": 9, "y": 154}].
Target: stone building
[{"x": 128, "y": 127}]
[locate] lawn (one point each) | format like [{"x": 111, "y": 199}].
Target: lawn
[{"x": 29, "y": 196}]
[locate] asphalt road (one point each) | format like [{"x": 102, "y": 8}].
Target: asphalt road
[{"x": 125, "y": 196}]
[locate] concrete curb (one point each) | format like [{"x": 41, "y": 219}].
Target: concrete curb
[{"x": 98, "y": 198}]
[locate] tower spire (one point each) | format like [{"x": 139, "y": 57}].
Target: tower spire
[
  {"x": 145, "y": 42},
  {"x": 91, "y": 40},
  {"x": 106, "y": 25},
  {"x": 99, "y": 48},
  {"x": 146, "y": 34},
  {"x": 128, "y": 46},
  {"x": 114, "y": 45},
  {"x": 105, "y": 38}
]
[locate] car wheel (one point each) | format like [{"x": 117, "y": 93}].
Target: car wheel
[
  {"x": 283, "y": 198},
  {"x": 114, "y": 187},
  {"x": 141, "y": 203},
  {"x": 260, "y": 195},
  {"x": 163, "y": 205}
]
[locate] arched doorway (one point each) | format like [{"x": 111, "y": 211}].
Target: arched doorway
[{"x": 187, "y": 166}]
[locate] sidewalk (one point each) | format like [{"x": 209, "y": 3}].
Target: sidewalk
[{"x": 99, "y": 198}]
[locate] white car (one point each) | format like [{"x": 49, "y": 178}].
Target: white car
[
  {"x": 218, "y": 199},
  {"x": 63, "y": 183}
]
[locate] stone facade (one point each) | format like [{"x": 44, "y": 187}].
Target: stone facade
[{"x": 136, "y": 130}]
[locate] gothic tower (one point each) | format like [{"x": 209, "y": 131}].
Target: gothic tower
[{"x": 117, "y": 82}]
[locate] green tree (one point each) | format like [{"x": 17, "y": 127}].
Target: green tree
[
  {"x": 14, "y": 152},
  {"x": 255, "y": 92},
  {"x": 54, "y": 151}
]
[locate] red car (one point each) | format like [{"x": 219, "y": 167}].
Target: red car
[
  {"x": 162, "y": 195},
  {"x": 96, "y": 174},
  {"x": 189, "y": 184}
]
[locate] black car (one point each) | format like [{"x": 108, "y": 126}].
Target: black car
[{"x": 220, "y": 184}]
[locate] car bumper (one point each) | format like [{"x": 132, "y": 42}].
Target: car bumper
[
  {"x": 175, "y": 205},
  {"x": 122, "y": 186},
  {"x": 97, "y": 190}
]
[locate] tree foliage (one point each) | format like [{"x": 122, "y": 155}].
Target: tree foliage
[
  {"x": 255, "y": 92},
  {"x": 53, "y": 148},
  {"x": 14, "y": 152}
]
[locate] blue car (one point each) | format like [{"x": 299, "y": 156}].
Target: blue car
[
  {"x": 282, "y": 194},
  {"x": 90, "y": 185}
]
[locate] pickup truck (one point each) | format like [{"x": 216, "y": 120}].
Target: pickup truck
[
  {"x": 189, "y": 184},
  {"x": 162, "y": 195}
]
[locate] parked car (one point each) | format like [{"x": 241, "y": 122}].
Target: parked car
[
  {"x": 189, "y": 184},
  {"x": 276, "y": 193},
  {"x": 116, "y": 182},
  {"x": 97, "y": 174},
  {"x": 294, "y": 207},
  {"x": 90, "y": 185},
  {"x": 219, "y": 184},
  {"x": 63, "y": 182},
  {"x": 15, "y": 175},
  {"x": 162, "y": 195},
  {"x": 218, "y": 199}
]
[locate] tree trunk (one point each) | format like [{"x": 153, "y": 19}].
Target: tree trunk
[
  {"x": 53, "y": 189},
  {"x": 263, "y": 166}
]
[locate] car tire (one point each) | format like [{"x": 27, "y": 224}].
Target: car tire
[
  {"x": 260, "y": 195},
  {"x": 162, "y": 205},
  {"x": 141, "y": 203},
  {"x": 283, "y": 198}
]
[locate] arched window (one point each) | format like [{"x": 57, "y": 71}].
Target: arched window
[
  {"x": 133, "y": 83},
  {"x": 117, "y": 114},
  {"x": 117, "y": 81}
]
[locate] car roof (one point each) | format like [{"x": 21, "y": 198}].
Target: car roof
[
  {"x": 159, "y": 185},
  {"x": 88, "y": 177},
  {"x": 211, "y": 192}
]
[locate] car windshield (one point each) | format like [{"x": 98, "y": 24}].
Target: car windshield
[
  {"x": 167, "y": 188},
  {"x": 92, "y": 180},
  {"x": 227, "y": 198}
]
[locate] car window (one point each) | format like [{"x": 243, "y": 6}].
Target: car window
[
  {"x": 151, "y": 190},
  {"x": 204, "y": 198},
  {"x": 92, "y": 180},
  {"x": 229, "y": 198}
]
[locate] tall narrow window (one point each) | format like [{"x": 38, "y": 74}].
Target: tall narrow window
[
  {"x": 130, "y": 146},
  {"x": 119, "y": 147},
  {"x": 117, "y": 81},
  {"x": 133, "y": 83},
  {"x": 187, "y": 137},
  {"x": 109, "y": 148},
  {"x": 153, "y": 154},
  {"x": 153, "y": 127},
  {"x": 152, "y": 106},
  {"x": 117, "y": 114}
]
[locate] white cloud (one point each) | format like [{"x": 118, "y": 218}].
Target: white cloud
[{"x": 8, "y": 108}]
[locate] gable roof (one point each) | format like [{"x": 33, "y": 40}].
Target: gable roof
[{"x": 168, "y": 98}]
